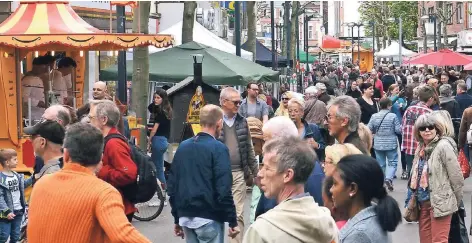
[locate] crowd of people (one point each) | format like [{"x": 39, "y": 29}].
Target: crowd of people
[{"x": 320, "y": 165}]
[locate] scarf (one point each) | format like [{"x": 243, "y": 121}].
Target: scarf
[{"x": 423, "y": 154}]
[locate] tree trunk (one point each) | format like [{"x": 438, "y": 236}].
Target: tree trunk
[
  {"x": 293, "y": 22},
  {"x": 439, "y": 20},
  {"x": 444, "y": 26},
  {"x": 251, "y": 28},
  {"x": 140, "y": 81},
  {"x": 286, "y": 18},
  {"x": 188, "y": 20}
]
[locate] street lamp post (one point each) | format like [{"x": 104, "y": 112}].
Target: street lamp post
[
  {"x": 432, "y": 17},
  {"x": 359, "y": 43},
  {"x": 399, "y": 21}
]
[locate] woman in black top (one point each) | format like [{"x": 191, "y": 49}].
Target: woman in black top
[
  {"x": 367, "y": 103},
  {"x": 353, "y": 91},
  {"x": 160, "y": 132}
]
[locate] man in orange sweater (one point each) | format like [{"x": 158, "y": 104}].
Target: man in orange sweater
[{"x": 75, "y": 206}]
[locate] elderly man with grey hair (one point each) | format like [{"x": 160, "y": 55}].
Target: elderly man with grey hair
[
  {"x": 342, "y": 121},
  {"x": 57, "y": 113},
  {"x": 237, "y": 137},
  {"x": 315, "y": 109},
  {"x": 288, "y": 162},
  {"x": 447, "y": 102},
  {"x": 118, "y": 168}
]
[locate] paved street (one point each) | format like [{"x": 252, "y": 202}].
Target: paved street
[{"x": 161, "y": 229}]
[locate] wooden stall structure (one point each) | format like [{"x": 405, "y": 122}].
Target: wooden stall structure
[
  {"x": 187, "y": 97},
  {"x": 39, "y": 27}
]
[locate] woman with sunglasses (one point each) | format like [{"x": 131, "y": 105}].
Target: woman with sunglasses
[
  {"x": 283, "y": 108},
  {"x": 436, "y": 179}
]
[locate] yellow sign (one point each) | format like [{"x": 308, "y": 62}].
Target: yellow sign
[{"x": 196, "y": 103}]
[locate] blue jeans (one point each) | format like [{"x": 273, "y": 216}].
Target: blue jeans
[
  {"x": 11, "y": 228},
  {"x": 209, "y": 233},
  {"x": 392, "y": 157},
  {"x": 159, "y": 147}
]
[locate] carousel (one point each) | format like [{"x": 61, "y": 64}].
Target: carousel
[{"x": 36, "y": 28}]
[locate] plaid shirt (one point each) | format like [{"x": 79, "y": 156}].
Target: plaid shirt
[{"x": 409, "y": 142}]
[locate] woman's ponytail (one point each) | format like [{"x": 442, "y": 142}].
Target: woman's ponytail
[{"x": 388, "y": 212}]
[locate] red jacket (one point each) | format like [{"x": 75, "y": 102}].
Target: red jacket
[{"x": 118, "y": 168}]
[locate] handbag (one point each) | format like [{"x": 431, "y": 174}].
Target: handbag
[
  {"x": 458, "y": 231},
  {"x": 464, "y": 164},
  {"x": 412, "y": 211}
]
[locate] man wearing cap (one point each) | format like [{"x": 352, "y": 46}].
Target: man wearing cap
[
  {"x": 47, "y": 137},
  {"x": 322, "y": 95}
]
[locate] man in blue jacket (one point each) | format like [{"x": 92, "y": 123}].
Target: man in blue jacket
[{"x": 200, "y": 181}]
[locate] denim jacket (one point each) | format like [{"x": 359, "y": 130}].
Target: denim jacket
[
  {"x": 262, "y": 109},
  {"x": 6, "y": 198},
  {"x": 364, "y": 228},
  {"x": 313, "y": 131}
]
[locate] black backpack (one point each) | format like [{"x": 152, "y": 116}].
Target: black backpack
[{"x": 146, "y": 182}]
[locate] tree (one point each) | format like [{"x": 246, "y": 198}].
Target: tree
[
  {"x": 380, "y": 12},
  {"x": 140, "y": 81},
  {"x": 188, "y": 20},
  {"x": 251, "y": 28},
  {"x": 293, "y": 27},
  {"x": 286, "y": 18},
  {"x": 444, "y": 13}
]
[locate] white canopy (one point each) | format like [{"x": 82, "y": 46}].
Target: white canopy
[
  {"x": 393, "y": 50},
  {"x": 201, "y": 35}
]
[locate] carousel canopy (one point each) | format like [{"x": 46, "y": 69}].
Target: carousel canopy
[{"x": 49, "y": 25}]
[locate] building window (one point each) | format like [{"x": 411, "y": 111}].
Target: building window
[
  {"x": 459, "y": 13},
  {"x": 310, "y": 32},
  {"x": 449, "y": 13}
]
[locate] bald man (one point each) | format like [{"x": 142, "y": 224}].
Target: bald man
[{"x": 99, "y": 90}]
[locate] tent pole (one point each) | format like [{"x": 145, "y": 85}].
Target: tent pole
[
  {"x": 272, "y": 34},
  {"x": 122, "y": 75},
  {"x": 111, "y": 19}
]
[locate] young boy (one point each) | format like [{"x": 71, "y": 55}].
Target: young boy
[{"x": 12, "y": 200}]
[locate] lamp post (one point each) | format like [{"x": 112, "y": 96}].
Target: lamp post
[
  {"x": 198, "y": 69},
  {"x": 431, "y": 17},
  {"x": 351, "y": 25},
  {"x": 400, "y": 33},
  {"x": 309, "y": 14}
]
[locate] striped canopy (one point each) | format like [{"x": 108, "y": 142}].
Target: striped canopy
[{"x": 55, "y": 25}]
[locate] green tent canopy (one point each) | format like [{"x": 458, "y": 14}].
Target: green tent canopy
[
  {"x": 311, "y": 58},
  {"x": 219, "y": 68}
]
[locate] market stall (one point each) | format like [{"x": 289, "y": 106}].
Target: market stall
[{"x": 38, "y": 27}]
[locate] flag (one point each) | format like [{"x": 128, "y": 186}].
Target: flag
[{"x": 132, "y": 4}]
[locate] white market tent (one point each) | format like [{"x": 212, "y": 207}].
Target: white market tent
[
  {"x": 393, "y": 51},
  {"x": 201, "y": 35}
]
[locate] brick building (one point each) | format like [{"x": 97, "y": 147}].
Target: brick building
[{"x": 460, "y": 14}]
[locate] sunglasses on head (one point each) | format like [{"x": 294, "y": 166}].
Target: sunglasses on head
[{"x": 430, "y": 128}]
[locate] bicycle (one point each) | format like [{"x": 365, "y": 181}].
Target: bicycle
[{"x": 151, "y": 209}]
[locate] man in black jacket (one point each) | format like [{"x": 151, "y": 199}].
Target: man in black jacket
[
  {"x": 463, "y": 98},
  {"x": 388, "y": 79},
  {"x": 200, "y": 181}
]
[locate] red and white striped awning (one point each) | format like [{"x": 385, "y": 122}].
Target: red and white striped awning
[{"x": 55, "y": 24}]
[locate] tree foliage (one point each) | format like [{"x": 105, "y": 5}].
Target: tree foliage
[{"x": 379, "y": 12}]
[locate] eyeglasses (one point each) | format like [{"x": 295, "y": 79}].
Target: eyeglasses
[
  {"x": 235, "y": 102},
  {"x": 430, "y": 128},
  {"x": 285, "y": 98},
  {"x": 255, "y": 90},
  {"x": 95, "y": 89},
  {"x": 90, "y": 117}
]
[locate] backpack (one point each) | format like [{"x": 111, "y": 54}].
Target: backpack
[{"x": 145, "y": 186}]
